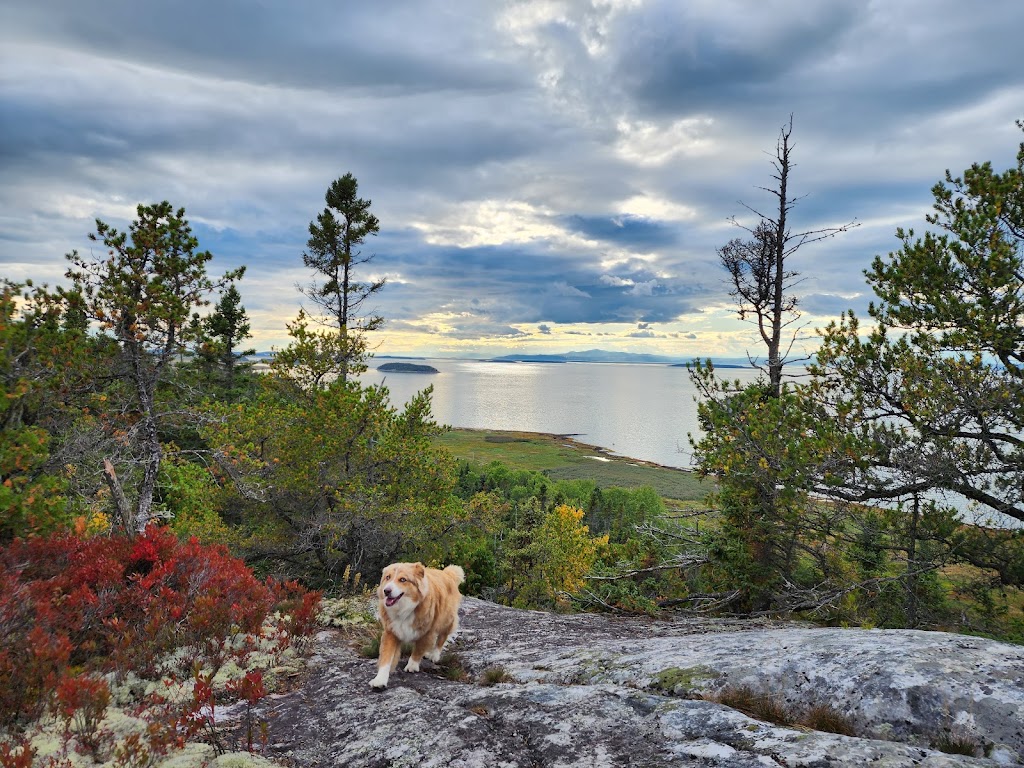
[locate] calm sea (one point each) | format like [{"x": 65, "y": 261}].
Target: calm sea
[
  {"x": 640, "y": 411},
  {"x": 637, "y": 411}
]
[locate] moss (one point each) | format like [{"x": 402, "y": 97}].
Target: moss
[
  {"x": 129, "y": 690},
  {"x": 685, "y": 682},
  {"x": 121, "y": 724}
]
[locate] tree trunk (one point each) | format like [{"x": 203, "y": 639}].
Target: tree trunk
[
  {"x": 778, "y": 300},
  {"x": 912, "y": 565},
  {"x": 151, "y": 468},
  {"x": 122, "y": 510},
  {"x": 145, "y": 387}
]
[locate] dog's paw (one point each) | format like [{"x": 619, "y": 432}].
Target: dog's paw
[
  {"x": 412, "y": 666},
  {"x": 434, "y": 655},
  {"x": 380, "y": 682}
]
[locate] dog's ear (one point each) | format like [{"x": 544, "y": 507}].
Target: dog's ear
[{"x": 419, "y": 570}]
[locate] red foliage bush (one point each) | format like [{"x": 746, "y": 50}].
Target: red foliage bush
[
  {"x": 17, "y": 755},
  {"x": 82, "y": 702},
  {"x": 119, "y": 604}
]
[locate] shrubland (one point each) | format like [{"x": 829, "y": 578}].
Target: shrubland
[{"x": 118, "y": 648}]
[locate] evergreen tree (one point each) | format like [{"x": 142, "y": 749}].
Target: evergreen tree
[
  {"x": 939, "y": 381},
  {"x": 143, "y": 289},
  {"x": 228, "y": 326},
  {"x": 334, "y": 255},
  {"x": 33, "y": 348}
]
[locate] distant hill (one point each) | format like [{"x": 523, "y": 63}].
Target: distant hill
[
  {"x": 584, "y": 356},
  {"x": 604, "y": 356}
]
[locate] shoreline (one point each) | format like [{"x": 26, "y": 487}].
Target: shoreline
[{"x": 571, "y": 440}]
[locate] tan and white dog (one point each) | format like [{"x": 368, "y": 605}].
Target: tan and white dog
[{"x": 417, "y": 605}]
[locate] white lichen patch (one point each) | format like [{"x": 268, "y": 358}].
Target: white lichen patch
[
  {"x": 242, "y": 760},
  {"x": 353, "y": 611}
]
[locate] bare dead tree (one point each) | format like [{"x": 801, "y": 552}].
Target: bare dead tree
[{"x": 762, "y": 283}]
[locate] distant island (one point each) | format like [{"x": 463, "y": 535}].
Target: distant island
[
  {"x": 406, "y": 368},
  {"x": 716, "y": 365}
]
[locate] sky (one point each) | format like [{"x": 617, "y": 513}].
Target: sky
[{"x": 549, "y": 175}]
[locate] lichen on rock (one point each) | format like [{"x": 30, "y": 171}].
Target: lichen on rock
[{"x": 687, "y": 683}]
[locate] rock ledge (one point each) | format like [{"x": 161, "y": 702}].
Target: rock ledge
[{"x": 594, "y": 690}]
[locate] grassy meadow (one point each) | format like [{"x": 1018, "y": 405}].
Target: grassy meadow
[{"x": 562, "y": 458}]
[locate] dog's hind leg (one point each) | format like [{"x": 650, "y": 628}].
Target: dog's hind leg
[
  {"x": 387, "y": 660},
  {"x": 442, "y": 637},
  {"x": 419, "y": 650}
]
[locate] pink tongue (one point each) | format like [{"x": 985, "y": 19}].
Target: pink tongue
[{"x": 392, "y": 600}]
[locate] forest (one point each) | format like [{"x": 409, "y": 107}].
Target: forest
[{"x": 145, "y": 464}]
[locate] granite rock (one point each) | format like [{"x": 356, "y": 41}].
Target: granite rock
[{"x": 597, "y": 690}]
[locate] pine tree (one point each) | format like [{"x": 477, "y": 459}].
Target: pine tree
[
  {"x": 143, "y": 289},
  {"x": 333, "y": 253},
  {"x": 228, "y": 326}
]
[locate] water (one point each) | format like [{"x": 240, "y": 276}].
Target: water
[{"x": 640, "y": 411}]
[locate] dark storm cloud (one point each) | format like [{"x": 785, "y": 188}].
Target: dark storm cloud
[
  {"x": 899, "y": 61},
  {"x": 306, "y": 44},
  {"x": 674, "y": 58},
  {"x": 632, "y": 231},
  {"x": 516, "y": 284}
]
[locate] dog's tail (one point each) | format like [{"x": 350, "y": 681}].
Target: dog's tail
[{"x": 457, "y": 572}]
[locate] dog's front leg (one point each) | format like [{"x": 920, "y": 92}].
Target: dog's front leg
[{"x": 387, "y": 659}]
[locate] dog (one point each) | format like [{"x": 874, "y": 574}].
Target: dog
[{"x": 417, "y": 605}]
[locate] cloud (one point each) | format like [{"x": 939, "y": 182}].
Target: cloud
[
  {"x": 615, "y": 281},
  {"x": 646, "y": 288},
  {"x": 634, "y": 232},
  {"x": 563, "y": 289},
  {"x": 531, "y": 163},
  {"x": 833, "y": 305},
  {"x": 480, "y": 329},
  {"x": 649, "y": 143}
]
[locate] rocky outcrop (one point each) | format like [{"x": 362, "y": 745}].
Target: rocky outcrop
[{"x": 541, "y": 689}]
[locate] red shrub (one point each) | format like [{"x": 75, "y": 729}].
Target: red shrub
[
  {"x": 298, "y": 607},
  {"x": 82, "y": 702},
  {"x": 119, "y": 603},
  {"x": 17, "y": 755},
  {"x": 32, "y": 659}
]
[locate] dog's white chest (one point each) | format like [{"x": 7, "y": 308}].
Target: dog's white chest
[{"x": 402, "y": 626}]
